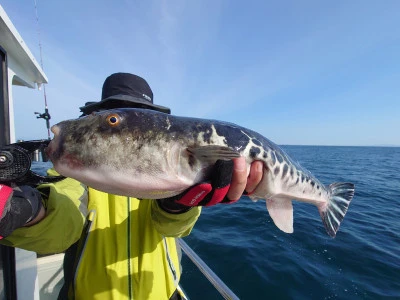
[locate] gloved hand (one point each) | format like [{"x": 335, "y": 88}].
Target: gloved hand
[
  {"x": 18, "y": 206},
  {"x": 203, "y": 194}
]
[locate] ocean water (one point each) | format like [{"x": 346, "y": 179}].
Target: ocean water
[{"x": 256, "y": 260}]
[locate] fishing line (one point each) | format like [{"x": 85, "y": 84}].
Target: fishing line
[{"x": 46, "y": 114}]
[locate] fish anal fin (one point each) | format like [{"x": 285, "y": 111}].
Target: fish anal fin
[
  {"x": 281, "y": 211},
  {"x": 211, "y": 153}
]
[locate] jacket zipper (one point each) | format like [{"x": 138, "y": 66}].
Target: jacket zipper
[{"x": 129, "y": 249}]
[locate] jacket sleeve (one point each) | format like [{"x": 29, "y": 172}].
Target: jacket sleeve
[
  {"x": 174, "y": 225},
  {"x": 66, "y": 209}
]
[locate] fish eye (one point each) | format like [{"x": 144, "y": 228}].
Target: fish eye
[{"x": 113, "y": 119}]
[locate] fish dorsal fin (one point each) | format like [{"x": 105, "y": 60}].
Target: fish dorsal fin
[
  {"x": 212, "y": 153},
  {"x": 281, "y": 212}
]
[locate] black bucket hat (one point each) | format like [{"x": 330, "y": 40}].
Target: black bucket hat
[{"x": 124, "y": 90}]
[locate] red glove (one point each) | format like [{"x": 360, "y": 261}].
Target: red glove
[
  {"x": 18, "y": 206},
  {"x": 203, "y": 194},
  {"x": 5, "y": 196}
]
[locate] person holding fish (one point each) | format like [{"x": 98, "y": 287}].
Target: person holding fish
[{"x": 117, "y": 247}]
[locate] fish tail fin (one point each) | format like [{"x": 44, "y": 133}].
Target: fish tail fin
[{"x": 332, "y": 214}]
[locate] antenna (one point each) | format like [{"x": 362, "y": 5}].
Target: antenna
[{"x": 46, "y": 116}]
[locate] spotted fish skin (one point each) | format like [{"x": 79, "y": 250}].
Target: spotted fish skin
[{"x": 147, "y": 154}]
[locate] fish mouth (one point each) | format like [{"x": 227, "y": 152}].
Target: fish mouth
[
  {"x": 53, "y": 148},
  {"x": 58, "y": 155}
]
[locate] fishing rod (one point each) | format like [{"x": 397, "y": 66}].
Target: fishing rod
[{"x": 46, "y": 115}]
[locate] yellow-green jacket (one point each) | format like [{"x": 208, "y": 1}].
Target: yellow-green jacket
[{"x": 127, "y": 249}]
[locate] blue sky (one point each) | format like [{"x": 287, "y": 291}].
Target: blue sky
[{"x": 298, "y": 72}]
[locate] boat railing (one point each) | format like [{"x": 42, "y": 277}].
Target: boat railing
[{"x": 221, "y": 287}]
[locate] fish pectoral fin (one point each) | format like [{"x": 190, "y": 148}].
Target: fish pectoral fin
[
  {"x": 212, "y": 153},
  {"x": 281, "y": 211}
]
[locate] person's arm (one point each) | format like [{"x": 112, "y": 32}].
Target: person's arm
[
  {"x": 19, "y": 206},
  {"x": 41, "y": 214},
  {"x": 177, "y": 215},
  {"x": 64, "y": 205},
  {"x": 174, "y": 224}
]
